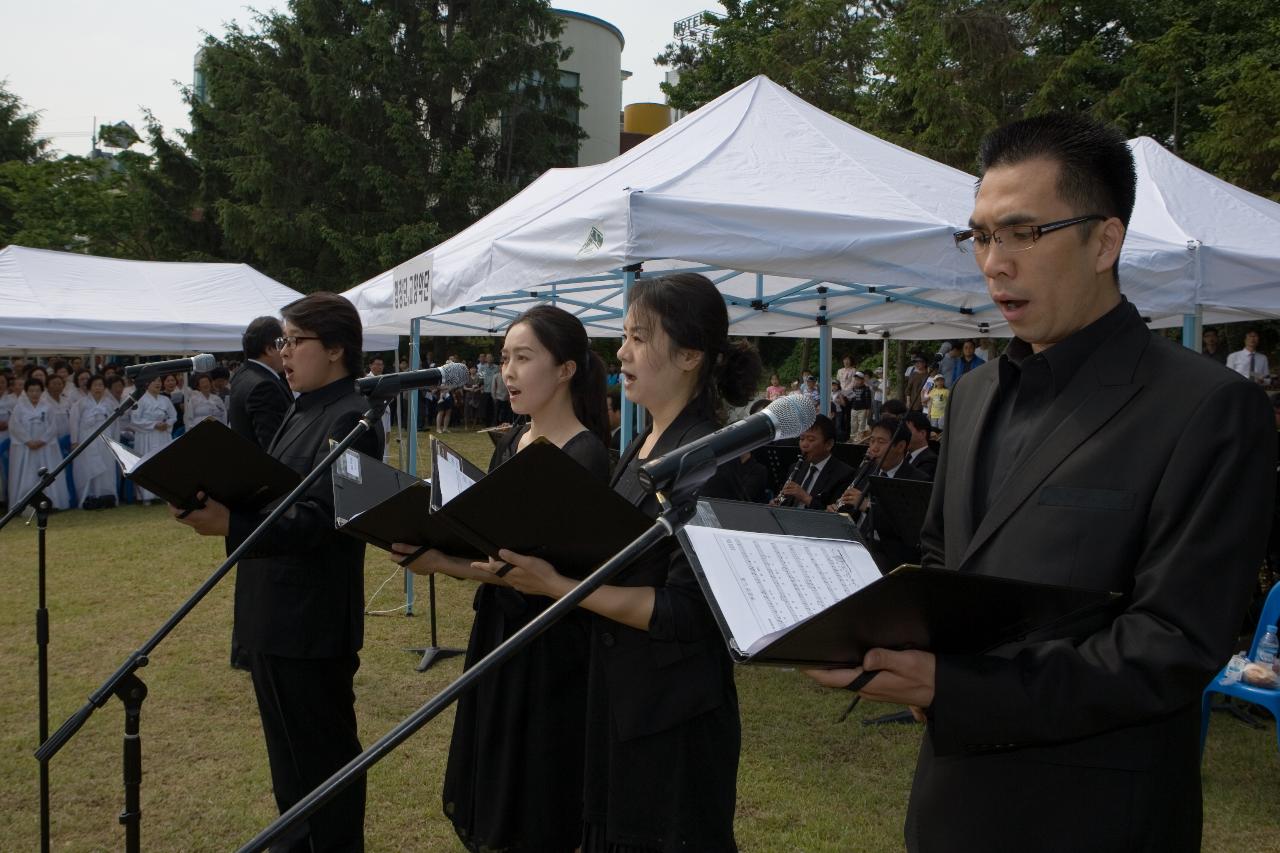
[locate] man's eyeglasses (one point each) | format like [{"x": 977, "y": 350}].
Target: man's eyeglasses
[
  {"x": 1014, "y": 238},
  {"x": 292, "y": 341}
]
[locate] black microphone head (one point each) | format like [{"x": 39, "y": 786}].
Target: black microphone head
[
  {"x": 203, "y": 363},
  {"x": 454, "y": 374},
  {"x": 791, "y": 416}
]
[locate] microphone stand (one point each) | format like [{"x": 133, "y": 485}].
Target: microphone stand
[
  {"x": 125, "y": 684},
  {"x": 678, "y": 506},
  {"x": 40, "y": 503}
]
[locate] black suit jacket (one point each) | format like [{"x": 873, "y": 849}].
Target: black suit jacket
[
  {"x": 832, "y": 480},
  {"x": 1150, "y": 475},
  {"x": 258, "y": 402},
  {"x": 300, "y": 591},
  {"x": 926, "y": 463}
]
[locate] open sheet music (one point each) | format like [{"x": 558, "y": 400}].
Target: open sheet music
[
  {"x": 797, "y": 587},
  {"x": 766, "y": 583}
]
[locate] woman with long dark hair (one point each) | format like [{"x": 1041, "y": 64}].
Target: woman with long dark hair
[
  {"x": 514, "y": 777},
  {"x": 662, "y": 722}
]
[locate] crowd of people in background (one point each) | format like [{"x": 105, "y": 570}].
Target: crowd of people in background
[{"x": 47, "y": 407}]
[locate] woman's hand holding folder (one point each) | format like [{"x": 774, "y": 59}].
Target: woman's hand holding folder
[{"x": 422, "y": 560}]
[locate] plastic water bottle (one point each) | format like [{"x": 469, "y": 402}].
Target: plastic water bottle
[
  {"x": 1267, "y": 647},
  {"x": 1234, "y": 669}
]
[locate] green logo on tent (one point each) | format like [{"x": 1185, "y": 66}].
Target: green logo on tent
[{"x": 595, "y": 239}]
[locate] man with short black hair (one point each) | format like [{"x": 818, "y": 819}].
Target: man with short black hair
[
  {"x": 259, "y": 397},
  {"x": 1248, "y": 362},
  {"x": 258, "y": 400},
  {"x": 821, "y": 477},
  {"x": 1213, "y": 347},
  {"x": 919, "y": 453},
  {"x": 1097, "y": 455}
]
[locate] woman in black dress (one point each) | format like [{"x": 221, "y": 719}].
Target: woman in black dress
[
  {"x": 514, "y": 777},
  {"x": 663, "y": 733}
]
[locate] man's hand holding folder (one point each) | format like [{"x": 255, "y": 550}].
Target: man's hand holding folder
[
  {"x": 904, "y": 678},
  {"x": 210, "y": 518}
]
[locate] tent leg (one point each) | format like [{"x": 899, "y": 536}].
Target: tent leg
[
  {"x": 1189, "y": 336},
  {"x": 628, "y": 408},
  {"x": 824, "y": 364},
  {"x": 411, "y": 454}
]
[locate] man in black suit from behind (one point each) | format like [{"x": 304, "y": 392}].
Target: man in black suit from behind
[
  {"x": 1096, "y": 455},
  {"x": 299, "y": 599},
  {"x": 821, "y": 477},
  {"x": 921, "y": 456},
  {"x": 259, "y": 399}
]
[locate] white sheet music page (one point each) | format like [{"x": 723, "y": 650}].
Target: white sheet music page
[
  {"x": 452, "y": 481},
  {"x": 765, "y": 583}
]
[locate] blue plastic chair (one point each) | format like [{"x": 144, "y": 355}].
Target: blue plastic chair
[{"x": 1269, "y": 699}]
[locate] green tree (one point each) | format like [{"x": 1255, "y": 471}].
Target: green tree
[
  {"x": 822, "y": 50},
  {"x": 18, "y": 140},
  {"x": 345, "y": 136},
  {"x": 19, "y": 146}
]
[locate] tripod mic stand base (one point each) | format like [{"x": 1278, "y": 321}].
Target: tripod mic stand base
[{"x": 432, "y": 654}]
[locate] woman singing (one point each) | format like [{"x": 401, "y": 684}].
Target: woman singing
[
  {"x": 514, "y": 777},
  {"x": 662, "y": 718}
]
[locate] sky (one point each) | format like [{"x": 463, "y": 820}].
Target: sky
[{"x": 81, "y": 61}]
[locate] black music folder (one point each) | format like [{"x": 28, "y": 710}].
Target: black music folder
[
  {"x": 539, "y": 502},
  {"x": 213, "y": 459},
  {"x": 805, "y": 600}
]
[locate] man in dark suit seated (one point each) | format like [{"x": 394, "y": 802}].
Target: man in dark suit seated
[
  {"x": 1092, "y": 454},
  {"x": 890, "y": 542},
  {"x": 921, "y": 456},
  {"x": 821, "y": 477}
]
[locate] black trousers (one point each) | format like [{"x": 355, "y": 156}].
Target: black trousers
[{"x": 309, "y": 720}]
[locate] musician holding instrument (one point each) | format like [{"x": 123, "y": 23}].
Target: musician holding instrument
[
  {"x": 818, "y": 476},
  {"x": 886, "y": 457}
]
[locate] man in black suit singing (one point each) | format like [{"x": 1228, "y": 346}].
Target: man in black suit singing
[
  {"x": 1096, "y": 455},
  {"x": 821, "y": 477},
  {"x": 299, "y": 600}
]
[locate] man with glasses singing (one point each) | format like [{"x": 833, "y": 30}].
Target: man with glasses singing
[{"x": 1091, "y": 454}]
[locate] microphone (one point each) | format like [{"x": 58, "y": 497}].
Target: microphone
[
  {"x": 202, "y": 363},
  {"x": 785, "y": 417},
  {"x": 452, "y": 375}
]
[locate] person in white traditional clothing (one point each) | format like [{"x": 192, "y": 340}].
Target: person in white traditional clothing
[
  {"x": 34, "y": 445},
  {"x": 7, "y": 402},
  {"x": 55, "y": 392},
  {"x": 94, "y": 469},
  {"x": 79, "y": 388},
  {"x": 152, "y": 421},
  {"x": 203, "y": 403}
]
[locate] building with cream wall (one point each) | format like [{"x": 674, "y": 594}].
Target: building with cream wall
[{"x": 597, "y": 63}]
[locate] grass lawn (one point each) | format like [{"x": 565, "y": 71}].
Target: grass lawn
[{"x": 806, "y": 782}]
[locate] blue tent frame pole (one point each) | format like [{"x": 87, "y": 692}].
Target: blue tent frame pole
[
  {"x": 824, "y": 365},
  {"x": 1189, "y": 331},
  {"x": 628, "y": 408},
  {"x": 415, "y": 342}
]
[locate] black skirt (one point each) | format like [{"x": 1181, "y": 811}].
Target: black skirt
[{"x": 513, "y": 782}]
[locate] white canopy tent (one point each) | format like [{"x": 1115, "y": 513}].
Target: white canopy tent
[
  {"x": 756, "y": 183},
  {"x": 1232, "y": 235},
  {"x": 68, "y": 302}
]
